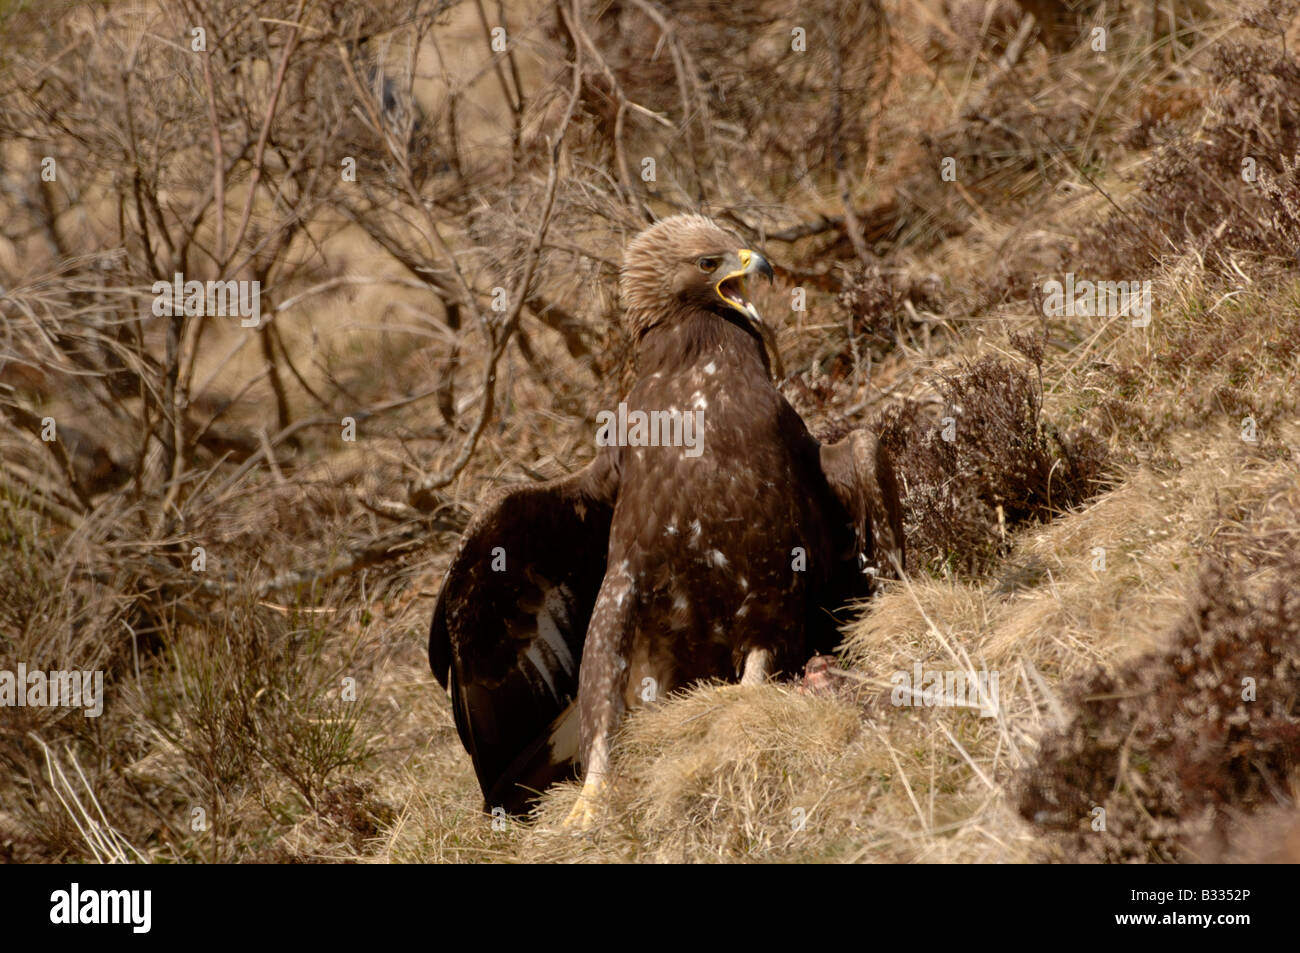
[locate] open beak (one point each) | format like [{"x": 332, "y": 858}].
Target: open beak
[{"x": 733, "y": 288}]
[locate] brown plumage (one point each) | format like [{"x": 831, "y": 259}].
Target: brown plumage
[{"x": 723, "y": 557}]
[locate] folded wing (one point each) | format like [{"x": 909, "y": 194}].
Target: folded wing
[{"x": 861, "y": 477}]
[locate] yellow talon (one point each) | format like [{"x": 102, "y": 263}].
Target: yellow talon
[{"x": 585, "y": 809}]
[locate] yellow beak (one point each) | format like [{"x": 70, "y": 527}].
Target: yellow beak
[{"x": 732, "y": 288}]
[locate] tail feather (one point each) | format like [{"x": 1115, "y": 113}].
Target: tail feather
[{"x": 550, "y": 759}]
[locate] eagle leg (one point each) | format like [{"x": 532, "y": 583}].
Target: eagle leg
[
  {"x": 758, "y": 666},
  {"x": 602, "y": 680},
  {"x": 586, "y": 808}
]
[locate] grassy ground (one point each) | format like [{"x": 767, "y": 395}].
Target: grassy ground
[{"x": 1107, "y": 509}]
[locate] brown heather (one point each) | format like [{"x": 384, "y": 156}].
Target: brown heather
[{"x": 1180, "y": 744}]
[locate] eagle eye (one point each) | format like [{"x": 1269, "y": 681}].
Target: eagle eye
[{"x": 708, "y": 265}]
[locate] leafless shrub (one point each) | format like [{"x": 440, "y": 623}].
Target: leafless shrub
[
  {"x": 724, "y": 77},
  {"x": 985, "y": 464},
  {"x": 1225, "y": 186},
  {"x": 880, "y": 303}
]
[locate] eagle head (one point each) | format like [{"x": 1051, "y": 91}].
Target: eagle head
[{"x": 689, "y": 263}]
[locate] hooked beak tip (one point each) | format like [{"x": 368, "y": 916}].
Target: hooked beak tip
[{"x": 757, "y": 264}]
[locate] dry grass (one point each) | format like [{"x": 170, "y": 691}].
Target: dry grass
[
  {"x": 1180, "y": 745},
  {"x": 226, "y": 691}
]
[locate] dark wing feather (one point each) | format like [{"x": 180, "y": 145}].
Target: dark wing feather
[
  {"x": 861, "y": 478},
  {"x": 506, "y": 642}
]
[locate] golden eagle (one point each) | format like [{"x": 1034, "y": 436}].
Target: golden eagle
[{"x": 711, "y": 537}]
